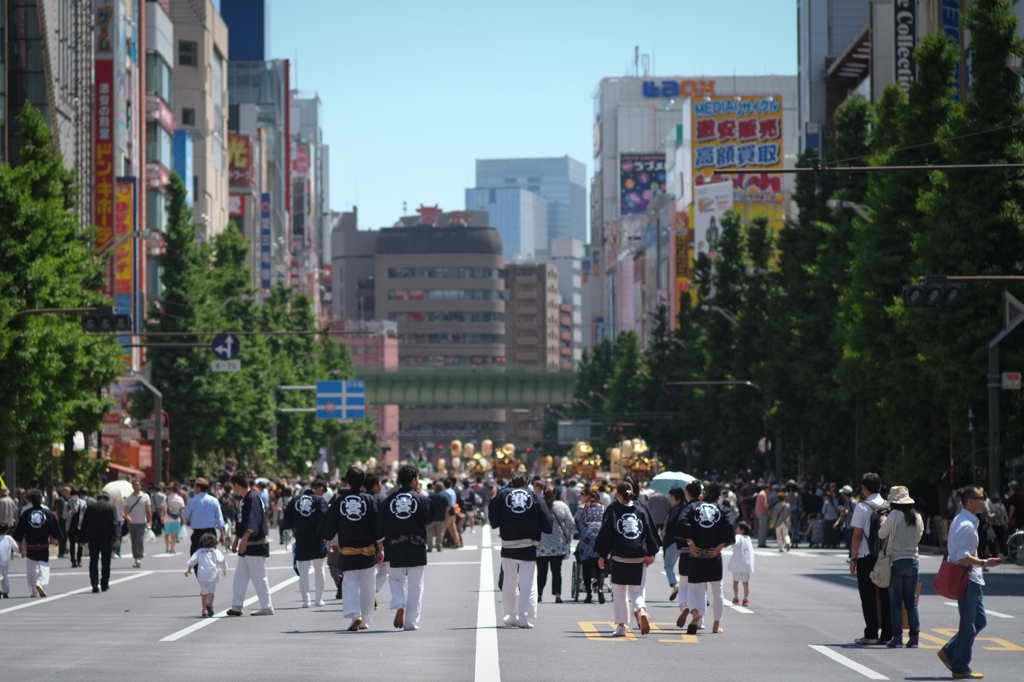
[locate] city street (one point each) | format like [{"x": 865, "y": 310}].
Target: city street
[{"x": 803, "y": 616}]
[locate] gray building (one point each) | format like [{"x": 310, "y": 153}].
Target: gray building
[
  {"x": 562, "y": 181},
  {"x": 567, "y": 256},
  {"x": 520, "y": 215}
]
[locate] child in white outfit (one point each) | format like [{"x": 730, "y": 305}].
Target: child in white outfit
[
  {"x": 207, "y": 560},
  {"x": 7, "y": 549},
  {"x": 742, "y": 563}
]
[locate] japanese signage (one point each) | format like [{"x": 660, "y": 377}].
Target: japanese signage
[
  {"x": 739, "y": 133},
  {"x": 906, "y": 41},
  {"x": 241, "y": 168},
  {"x": 683, "y": 88},
  {"x": 103, "y": 139},
  {"x": 236, "y": 205},
  {"x": 301, "y": 163},
  {"x": 124, "y": 258},
  {"x": 641, "y": 178},
  {"x": 950, "y": 14},
  {"x": 682, "y": 237},
  {"x": 265, "y": 240},
  {"x": 711, "y": 202}
]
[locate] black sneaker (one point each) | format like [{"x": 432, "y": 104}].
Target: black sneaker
[
  {"x": 866, "y": 641},
  {"x": 95, "y": 589},
  {"x": 234, "y": 612},
  {"x": 675, "y": 593}
]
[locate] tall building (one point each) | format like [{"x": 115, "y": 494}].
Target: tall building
[
  {"x": 444, "y": 287},
  {"x": 642, "y": 188},
  {"x": 201, "y": 102},
  {"x": 567, "y": 255},
  {"x": 249, "y": 23},
  {"x": 265, "y": 85},
  {"x": 46, "y": 60},
  {"x": 160, "y": 131},
  {"x": 311, "y": 212},
  {"x": 520, "y": 215},
  {"x": 561, "y": 181},
  {"x": 532, "y": 315}
]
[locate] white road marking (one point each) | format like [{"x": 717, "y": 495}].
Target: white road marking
[
  {"x": 46, "y": 600},
  {"x": 466, "y": 547},
  {"x": 737, "y": 607},
  {"x": 987, "y": 611},
  {"x": 486, "y": 622},
  {"x": 849, "y": 663},
  {"x": 764, "y": 552},
  {"x": 224, "y": 614}
]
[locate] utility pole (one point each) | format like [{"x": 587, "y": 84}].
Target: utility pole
[{"x": 158, "y": 416}]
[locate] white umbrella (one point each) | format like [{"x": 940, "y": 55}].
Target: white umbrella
[
  {"x": 261, "y": 479},
  {"x": 664, "y": 482},
  {"x": 118, "y": 490}
]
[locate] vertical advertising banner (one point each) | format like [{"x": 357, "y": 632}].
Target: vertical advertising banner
[
  {"x": 641, "y": 178},
  {"x": 710, "y": 202},
  {"x": 950, "y": 21},
  {"x": 241, "y": 169},
  {"x": 265, "y": 241},
  {"x": 103, "y": 138},
  {"x": 906, "y": 40},
  {"x": 124, "y": 256},
  {"x": 742, "y": 133}
]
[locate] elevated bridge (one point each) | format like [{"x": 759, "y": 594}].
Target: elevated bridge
[{"x": 466, "y": 387}]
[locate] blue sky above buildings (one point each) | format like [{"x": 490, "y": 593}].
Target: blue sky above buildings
[{"x": 413, "y": 93}]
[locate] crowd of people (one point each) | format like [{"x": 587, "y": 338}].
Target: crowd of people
[{"x": 365, "y": 531}]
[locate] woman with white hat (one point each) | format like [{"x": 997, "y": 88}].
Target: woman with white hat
[{"x": 906, "y": 528}]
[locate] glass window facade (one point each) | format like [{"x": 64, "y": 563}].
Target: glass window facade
[
  {"x": 443, "y": 273},
  {"x": 446, "y": 316},
  {"x": 444, "y": 295},
  {"x": 159, "y": 78}
]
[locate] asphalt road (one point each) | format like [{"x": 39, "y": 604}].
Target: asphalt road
[{"x": 803, "y": 617}]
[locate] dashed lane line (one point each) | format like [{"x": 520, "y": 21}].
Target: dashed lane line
[
  {"x": 47, "y": 600},
  {"x": 224, "y": 614},
  {"x": 848, "y": 662}
]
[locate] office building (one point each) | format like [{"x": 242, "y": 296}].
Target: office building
[
  {"x": 438, "y": 276},
  {"x": 310, "y": 197},
  {"x": 520, "y": 215},
  {"x": 567, "y": 256},
  {"x": 532, "y": 315},
  {"x": 201, "y": 103},
  {"x": 561, "y": 181},
  {"x": 160, "y": 133},
  {"x": 249, "y": 24}
]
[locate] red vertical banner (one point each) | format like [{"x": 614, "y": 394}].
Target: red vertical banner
[{"x": 103, "y": 212}]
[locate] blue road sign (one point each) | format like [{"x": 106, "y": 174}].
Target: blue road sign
[
  {"x": 344, "y": 400},
  {"x": 225, "y": 346}
]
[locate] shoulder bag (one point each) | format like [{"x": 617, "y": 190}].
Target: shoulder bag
[
  {"x": 881, "y": 574},
  {"x": 951, "y": 580},
  {"x": 124, "y": 522}
]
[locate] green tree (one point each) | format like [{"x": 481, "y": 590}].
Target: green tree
[{"x": 50, "y": 370}]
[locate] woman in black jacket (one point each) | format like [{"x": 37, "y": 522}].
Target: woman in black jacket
[{"x": 627, "y": 534}]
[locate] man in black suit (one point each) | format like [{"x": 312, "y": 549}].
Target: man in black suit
[{"x": 99, "y": 527}]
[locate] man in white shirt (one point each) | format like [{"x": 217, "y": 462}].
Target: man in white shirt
[
  {"x": 862, "y": 562},
  {"x": 138, "y": 510},
  {"x": 962, "y": 547}
]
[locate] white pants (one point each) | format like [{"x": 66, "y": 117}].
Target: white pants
[
  {"x": 625, "y": 596},
  {"x": 717, "y": 598},
  {"x": 519, "y": 589},
  {"x": 5, "y": 582},
  {"x": 682, "y": 597},
  {"x": 411, "y": 601},
  {"x": 318, "y": 579},
  {"x": 696, "y": 597},
  {"x": 382, "y": 574},
  {"x": 358, "y": 593},
  {"x": 254, "y": 568},
  {"x": 36, "y": 573}
]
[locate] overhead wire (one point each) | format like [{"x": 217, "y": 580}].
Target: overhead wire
[{"x": 923, "y": 144}]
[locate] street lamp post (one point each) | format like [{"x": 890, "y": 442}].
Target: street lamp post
[{"x": 158, "y": 414}]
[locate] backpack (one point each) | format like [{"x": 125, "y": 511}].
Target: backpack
[{"x": 874, "y": 546}]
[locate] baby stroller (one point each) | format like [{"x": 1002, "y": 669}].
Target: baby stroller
[
  {"x": 802, "y": 531},
  {"x": 578, "y": 585}
]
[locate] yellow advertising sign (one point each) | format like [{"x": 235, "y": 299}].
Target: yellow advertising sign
[{"x": 743, "y": 133}]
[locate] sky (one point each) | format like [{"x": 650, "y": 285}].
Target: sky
[{"x": 414, "y": 92}]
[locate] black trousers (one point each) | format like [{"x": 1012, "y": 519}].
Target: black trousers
[
  {"x": 869, "y": 594},
  {"x": 591, "y": 575},
  {"x": 98, "y": 552},
  {"x": 555, "y": 562},
  {"x": 76, "y": 554},
  {"x": 197, "y": 534}
]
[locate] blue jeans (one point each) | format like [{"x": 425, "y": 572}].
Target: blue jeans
[
  {"x": 972, "y": 621},
  {"x": 671, "y": 559},
  {"x": 902, "y": 590}
]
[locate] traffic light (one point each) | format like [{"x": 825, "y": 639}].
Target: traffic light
[
  {"x": 936, "y": 292},
  {"x": 106, "y": 319}
]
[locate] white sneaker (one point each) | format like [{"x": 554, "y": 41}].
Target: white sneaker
[
  {"x": 523, "y": 623},
  {"x": 305, "y": 604},
  {"x": 620, "y": 631},
  {"x": 364, "y": 626},
  {"x": 510, "y": 621},
  {"x": 410, "y": 626},
  {"x": 263, "y": 612},
  {"x": 321, "y": 602}
]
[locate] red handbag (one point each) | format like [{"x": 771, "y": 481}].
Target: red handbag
[{"x": 951, "y": 580}]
